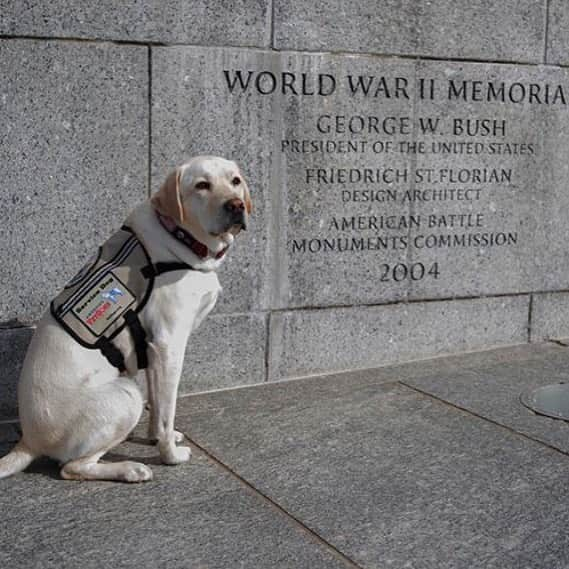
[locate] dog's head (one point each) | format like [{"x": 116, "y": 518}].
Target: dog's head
[{"x": 208, "y": 195}]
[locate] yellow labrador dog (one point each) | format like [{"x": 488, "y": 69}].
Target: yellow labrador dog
[{"x": 74, "y": 404}]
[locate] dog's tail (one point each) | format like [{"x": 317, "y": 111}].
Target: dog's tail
[{"x": 16, "y": 460}]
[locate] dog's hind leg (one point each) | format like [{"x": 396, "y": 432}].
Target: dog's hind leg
[
  {"x": 90, "y": 468},
  {"x": 108, "y": 415}
]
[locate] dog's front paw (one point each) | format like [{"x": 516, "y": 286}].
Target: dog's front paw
[{"x": 175, "y": 455}]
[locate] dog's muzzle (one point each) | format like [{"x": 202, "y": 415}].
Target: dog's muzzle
[{"x": 235, "y": 213}]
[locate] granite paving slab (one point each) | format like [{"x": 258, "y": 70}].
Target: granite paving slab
[
  {"x": 287, "y": 391},
  {"x": 392, "y": 477},
  {"x": 191, "y": 516},
  {"x": 493, "y": 392}
]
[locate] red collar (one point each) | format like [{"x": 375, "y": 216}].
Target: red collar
[{"x": 197, "y": 247}]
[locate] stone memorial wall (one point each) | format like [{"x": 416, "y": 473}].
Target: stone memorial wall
[{"x": 409, "y": 165}]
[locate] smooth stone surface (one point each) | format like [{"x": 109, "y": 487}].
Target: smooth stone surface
[
  {"x": 13, "y": 345},
  {"x": 527, "y": 206},
  {"x": 550, "y": 316},
  {"x": 390, "y": 477},
  {"x": 493, "y": 391},
  {"x": 304, "y": 342},
  {"x": 74, "y": 130},
  {"x": 341, "y": 248},
  {"x": 192, "y": 115},
  {"x": 503, "y": 31},
  {"x": 191, "y": 515},
  {"x": 226, "y": 351},
  {"x": 214, "y": 22},
  {"x": 558, "y": 33}
]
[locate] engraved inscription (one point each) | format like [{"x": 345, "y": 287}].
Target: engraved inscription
[{"x": 418, "y": 177}]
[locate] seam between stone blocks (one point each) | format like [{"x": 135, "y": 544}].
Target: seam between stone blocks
[
  {"x": 407, "y": 301},
  {"x": 556, "y": 342},
  {"x": 403, "y": 56},
  {"x": 272, "y": 25},
  {"x": 275, "y": 506},
  {"x": 546, "y": 31},
  {"x": 11, "y": 326},
  {"x": 456, "y": 407},
  {"x": 12, "y": 421},
  {"x": 267, "y": 346},
  {"x": 149, "y": 158},
  {"x": 530, "y": 314},
  {"x": 120, "y": 42},
  {"x": 271, "y": 311},
  {"x": 383, "y": 55}
]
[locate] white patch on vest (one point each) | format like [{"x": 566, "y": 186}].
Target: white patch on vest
[{"x": 103, "y": 304}]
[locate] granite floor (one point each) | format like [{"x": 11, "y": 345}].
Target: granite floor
[{"x": 427, "y": 465}]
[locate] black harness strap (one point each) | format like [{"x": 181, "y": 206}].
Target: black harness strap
[
  {"x": 139, "y": 337},
  {"x": 111, "y": 352},
  {"x": 160, "y": 268}
]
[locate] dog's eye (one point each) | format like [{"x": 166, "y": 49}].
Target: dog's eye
[
  {"x": 203, "y": 186},
  {"x": 236, "y": 181}
]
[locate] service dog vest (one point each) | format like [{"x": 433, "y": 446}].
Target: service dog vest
[{"x": 107, "y": 295}]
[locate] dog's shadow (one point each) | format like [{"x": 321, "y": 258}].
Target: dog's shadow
[
  {"x": 116, "y": 457},
  {"x": 46, "y": 467},
  {"x": 149, "y": 456}
]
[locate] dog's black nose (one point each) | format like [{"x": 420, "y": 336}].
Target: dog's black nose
[{"x": 234, "y": 205}]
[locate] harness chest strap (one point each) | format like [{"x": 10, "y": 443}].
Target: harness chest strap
[
  {"x": 137, "y": 331},
  {"x": 161, "y": 268},
  {"x": 111, "y": 352}
]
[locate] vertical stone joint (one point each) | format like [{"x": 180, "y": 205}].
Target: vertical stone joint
[
  {"x": 546, "y": 31},
  {"x": 149, "y": 192},
  {"x": 530, "y": 310},
  {"x": 272, "y": 24},
  {"x": 267, "y": 344}
]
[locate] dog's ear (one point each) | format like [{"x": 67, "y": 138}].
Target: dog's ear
[
  {"x": 167, "y": 199},
  {"x": 247, "y": 200}
]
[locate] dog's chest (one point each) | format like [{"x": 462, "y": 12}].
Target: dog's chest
[{"x": 179, "y": 303}]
